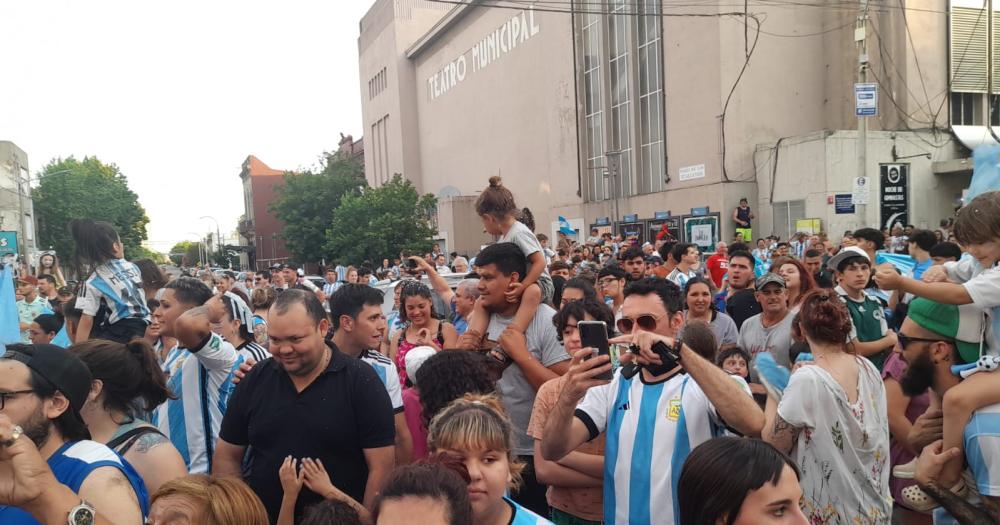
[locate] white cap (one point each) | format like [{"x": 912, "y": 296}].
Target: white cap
[
  {"x": 415, "y": 359},
  {"x": 846, "y": 253}
]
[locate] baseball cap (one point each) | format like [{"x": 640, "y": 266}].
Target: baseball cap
[
  {"x": 963, "y": 324},
  {"x": 415, "y": 359},
  {"x": 30, "y": 279},
  {"x": 846, "y": 253},
  {"x": 61, "y": 368},
  {"x": 770, "y": 278}
]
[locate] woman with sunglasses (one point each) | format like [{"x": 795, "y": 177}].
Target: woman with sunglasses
[
  {"x": 832, "y": 420},
  {"x": 423, "y": 328}
]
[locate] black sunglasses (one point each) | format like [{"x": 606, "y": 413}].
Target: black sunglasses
[
  {"x": 646, "y": 322},
  {"x": 904, "y": 340}
]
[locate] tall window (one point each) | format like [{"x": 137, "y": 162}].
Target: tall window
[{"x": 620, "y": 53}]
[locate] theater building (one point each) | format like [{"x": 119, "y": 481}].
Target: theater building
[{"x": 630, "y": 115}]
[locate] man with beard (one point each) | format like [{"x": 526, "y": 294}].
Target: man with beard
[
  {"x": 42, "y": 389},
  {"x": 741, "y": 302},
  {"x": 933, "y": 338}
]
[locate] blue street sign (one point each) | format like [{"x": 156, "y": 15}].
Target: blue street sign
[
  {"x": 865, "y": 100},
  {"x": 661, "y": 215},
  {"x": 631, "y": 218},
  {"x": 8, "y": 243},
  {"x": 698, "y": 212}
]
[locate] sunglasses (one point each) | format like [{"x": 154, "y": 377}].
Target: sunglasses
[
  {"x": 645, "y": 322},
  {"x": 904, "y": 341}
]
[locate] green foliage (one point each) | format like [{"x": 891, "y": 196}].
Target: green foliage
[
  {"x": 186, "y": 253},
  {"x": 381, "y": 222},
  {"x": 306, "y": 201},
  {"x": 72, "y": 189},
  {"x": 142, "y": 252}
]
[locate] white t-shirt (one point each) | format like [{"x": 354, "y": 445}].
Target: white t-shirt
[
  {"x": 842, "y": 449},
  {"x": 520, "y": 235},
  {"x": 983, "y": 286},
  {"x": 651, "y": 429}
]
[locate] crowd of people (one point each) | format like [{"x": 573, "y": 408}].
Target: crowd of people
[{"x": 605, "y": 381}]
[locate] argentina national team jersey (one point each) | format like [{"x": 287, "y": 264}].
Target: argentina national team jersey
[
  {"x": 523, "y": 516},
  {"x": 650, "y": 430},
  {"x": 202, "y": 380},
  {"x": 386, "y": 371},
  {"x": 116, "y": 284},
  {"x": 982, "y": 449},
  {"x": 71, "y": 465}
]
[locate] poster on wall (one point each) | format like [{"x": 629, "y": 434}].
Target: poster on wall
[
  {"x": 633, "y": 231},
  {"x": 673, "y": 230},
  {"x": 893, "y": 195},
  {"x": 702, "y": 231}
]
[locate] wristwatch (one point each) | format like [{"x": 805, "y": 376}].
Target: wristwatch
[{"x": 82, "y": 514}]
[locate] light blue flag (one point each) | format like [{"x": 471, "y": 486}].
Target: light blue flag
[
  {"x": 10, "y": 324},
  {"x": 985, "y": 171},
  {"x": 564, "y": 226},
  {"x": 903, "y": 263},
  {"x": 62, "y": 338}
]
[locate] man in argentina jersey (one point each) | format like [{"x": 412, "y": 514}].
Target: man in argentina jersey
[
  {"x": 199, "y": 372},
  {"x": 42, "y": 389},
  {"x": 357, "y": 327},
  {"x": 653, "y": 420}
]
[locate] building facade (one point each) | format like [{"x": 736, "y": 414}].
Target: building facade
[
  {"x": 636, "y": 116},
  {"x": 259, "y": 229},
  {"x": 17, "y": 214}
]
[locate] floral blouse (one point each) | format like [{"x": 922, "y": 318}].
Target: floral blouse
[{"x": 843, "y": 448}]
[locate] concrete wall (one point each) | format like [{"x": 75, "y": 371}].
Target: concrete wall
[
  {"x": 817, "y": 166},
  {"x": 515, "y": 118}
]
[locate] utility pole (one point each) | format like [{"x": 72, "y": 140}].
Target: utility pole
[
  {"x": 860, "y": 36},
  {"x": 989, "y": 69},
  {"x": 614, "y": 162}
]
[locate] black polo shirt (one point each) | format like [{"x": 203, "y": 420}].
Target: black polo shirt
[
  {"x": 345, "y": 410},
  {"x": 742, "y": 306}
]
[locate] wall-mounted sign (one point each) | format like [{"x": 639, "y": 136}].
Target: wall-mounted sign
[
  {"x": 631, "y": 218},
  {"x": 661, "y": 215},
  {"x": 602, "y": 221},
  {"x": 516, "y": 30},
  {"x": 8, "y": 243},
  {"x": 698, "y": 212},
  {"x": 861, "y": 191},
  {"x": 893, "y": 196},
  {"x": 691, "y": 172},
  {"x": 842, "y": 204},
  {"x": 672, "y": 230}
]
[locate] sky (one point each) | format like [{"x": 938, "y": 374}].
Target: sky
[{"x": 177, "y": 94}]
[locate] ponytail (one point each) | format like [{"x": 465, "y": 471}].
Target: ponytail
[{"x": 128, "y": 371}]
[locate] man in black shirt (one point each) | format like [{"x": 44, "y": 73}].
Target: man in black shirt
[
  {"x": 309, "y": 401},
  {"x": 813, "y": 261},
  {"x": 741, "y": 304}
]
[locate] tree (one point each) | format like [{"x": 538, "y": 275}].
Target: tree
[
  {"x": 306, "y": 201},
  {"x": 186, "y": 253},
  {"x": 72, "y": 189},
  {"x": 381, "y": 222}
]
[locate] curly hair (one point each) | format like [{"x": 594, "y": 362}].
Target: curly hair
[
  {"x": 414, "y": 289},
  {"x": 448, "y": 375}
]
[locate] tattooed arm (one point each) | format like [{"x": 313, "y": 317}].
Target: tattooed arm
[
  {"x": 777, "y": 431},
  {"x": 156, "y": 460}
]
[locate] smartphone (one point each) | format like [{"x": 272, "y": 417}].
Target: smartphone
[
  {"x": 594, "y": 334},
  {"x": 411, "y": 264}
]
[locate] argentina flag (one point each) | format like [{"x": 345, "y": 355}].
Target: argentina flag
[{"x": 10, "y": 325}]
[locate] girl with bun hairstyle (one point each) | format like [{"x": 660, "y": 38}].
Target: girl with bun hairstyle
[
  {"x": 831, "y": 419},
  {"x": 500, "y": 214},
  {"x": 127, "y": 381},
  {"x": 476, "y": 431}
]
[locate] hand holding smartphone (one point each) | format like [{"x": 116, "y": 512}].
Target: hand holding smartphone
[{"x": 594, "y": 334}]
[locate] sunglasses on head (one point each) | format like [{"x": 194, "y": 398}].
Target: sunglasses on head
[{"x": 645, "y": 322}]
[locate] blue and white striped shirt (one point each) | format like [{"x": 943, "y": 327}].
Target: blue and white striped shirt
[
  {"x": 386, "y": 371},
  {"x": 523, "y": 516},
  {"x": 202, "y": 380},
  {"x": 640, "y": 472},
  {"x": 116, "y": 284}
]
